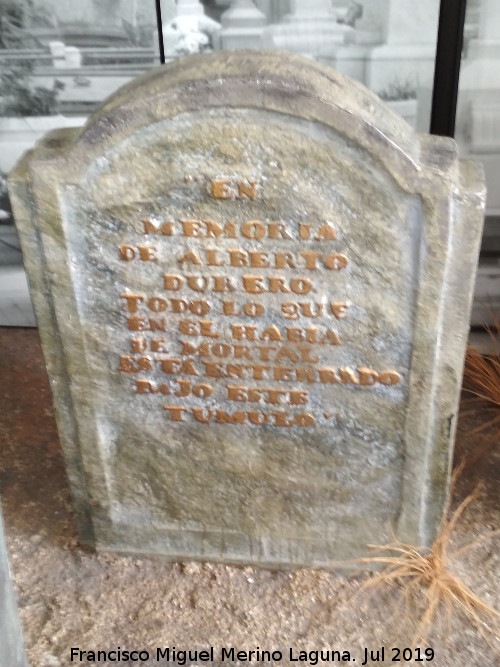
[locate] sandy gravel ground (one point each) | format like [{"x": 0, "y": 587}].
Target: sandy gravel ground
[{"x": 71, "y": 598}]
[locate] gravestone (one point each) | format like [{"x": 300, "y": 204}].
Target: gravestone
[{"x": 253, "y": 283}]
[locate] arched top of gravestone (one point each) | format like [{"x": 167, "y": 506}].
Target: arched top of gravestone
[{"x": 274, "y": 81}]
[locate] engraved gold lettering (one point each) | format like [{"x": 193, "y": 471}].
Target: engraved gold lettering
[
  {"x": 288, "y": 354},
  {"x": 234, "y": 370},
  {"x": 367, "y": 376},
  {"x": 347, "y": 375},
  {"x": 278, "y": 230},
  {"x": 283, "y": 260},
  {"x": 137, "y": 323},
  {"x": 258, "y": 259},
  {"x": 191, "y": 227},
  {"x": 132, "y": 300},
  {"x": 328, "y": 376},
  {"x": 304, "y": 419},
  {"x": 138, "y": 345},
  {"x": 283, "y": 373},
  {"x": 250, "y": 308},
  {"x": 253, "y": 284},
  {"x": 214, "y": 229},
  {"x": 247, "y": 189},
  {"x": 176, "y": 412},
  {"x": 253, "y": 229},
  {"x": 339, "y": 309},
  {"x": 263, "y": 351},
  {"x": 242, "y": 351},
  {"x": 190, "y": 257},
  {"x": 126, "y": 252},
  {"x": 157, "y": 304},
  {"x": 304, "y": 230},
  {"x": 158, "y": 345},
  {"x": 221, "y": 350},
  {"x": 290, "y": 310},
  {"x": 247, "y": 331},
  {"x": 389, "y": 377},
  {"x": 271, "y": 333},
  {"x": 268, "y": 395},
  {"x": 223, "y": 417},
  {"x": 278, "y": 284},
  {"x": 257, "y": 371},
  {"x": 213, "y": 369},
  {"x": 236, "y": 393},
  {"x": 221, "y": 188},
  {"x": 196, "y": 307},
  {"x": 310, "y": 256},
  {"x": 300, "y": 285},
  {"x": 166, "y": 227},
  {"x": 146, "y": 387},
  {"x": 257, "y": 418},
  {"x": 211, "y": 254},
  {"x": 172, "y": 366},
  {"x": 141, "y": 323},
  {"x": 256, "y": 284},
  {"x": 202, "y": 414},
  {"x": 185, "y": 388},
  {"x": 197, "y": 283},
  {"x": 335, "y": 261},
  {"x": 198, "y": 328},
  {"x": 203, "y": 350},
  {"x": 282, "y": 419},
  {"x": 130, "y": 364},
  {"x": 325, "y": 232},
  {"x": 223, "y": 284},
  {"x": 238, "y": 257},
  {"x": 147, "y": 253},
  {"x": 305, "y": 353},
  {"x": 172, "y": 281},
  {"x": 311, "y": 309},
  {"x": 306, "y": 374}
]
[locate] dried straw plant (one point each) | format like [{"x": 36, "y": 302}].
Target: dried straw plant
[
  {"x": 482, "y": 387},
  {"x": 428, "y": 576},
  {"x": 422, "y": 586},
  {"x": 430, "y": 586}
]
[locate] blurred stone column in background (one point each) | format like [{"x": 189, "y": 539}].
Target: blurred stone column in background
[
  {"x": 242, "y": 26},
  {"x": 478, "y": 113},
  {"x": 407, "y": 54},
  {"x": 311, "y": 28},
  {"x": 274, "y": 10},
  {"x": 107, "y": 13}
]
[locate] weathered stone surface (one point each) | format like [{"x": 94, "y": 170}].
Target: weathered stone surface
[{"x": 253, "y": 284}]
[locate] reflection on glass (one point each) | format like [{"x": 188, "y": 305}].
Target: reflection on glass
[
  {"x": 478, "y": 136},
  {"x": 478, "y": 112},
  {"x": 59, "y": 60}
]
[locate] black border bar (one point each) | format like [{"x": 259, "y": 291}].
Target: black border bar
[
  {"x": 159, "y": 25},
  {"x": 447, "y": 67}
]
